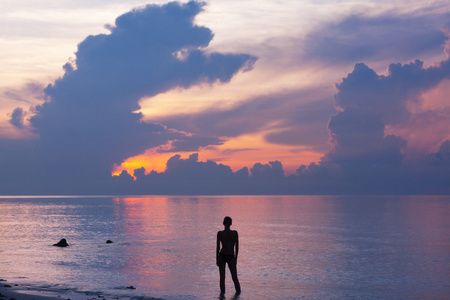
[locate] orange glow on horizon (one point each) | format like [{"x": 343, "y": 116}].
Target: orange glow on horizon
[
  {"x": 151, "y": 160},
  {"x": 243, "y": 151}
]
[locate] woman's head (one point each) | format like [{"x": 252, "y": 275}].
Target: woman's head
[{"x": 227, "y": 221}]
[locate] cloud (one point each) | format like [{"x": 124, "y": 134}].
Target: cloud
[
  {"x": 370, "y": 101},
  {"x": 290, "y": 120},
  {"x": 297, "y": 118},
  {"x": 360, "y": 141},
  {"x": 367, "y": 160},
  {"x": 18, "y": 104},
  {"x": 388, "y": 96},
  {"x": 188, "y": 176},
  {"x": 90, "y": 116},
  {"x": 88, "y": 121},
  {"x": 193, "y": 143},
  {"x": 364, "y": 159},
  {"x": 191, "y": 176},
  {"x": 366, "y": 156},
  {"x": 304, "y": 125},
  {"x": 360, "y": 37},
  {"x": 192, "y": 169},
  {"x": 17, "y": 117},
  {"x": 272, "y": 170},
  {"x": 28, "y": 93}
]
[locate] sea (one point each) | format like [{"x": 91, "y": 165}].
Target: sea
[{"x": 291, "y": 247}]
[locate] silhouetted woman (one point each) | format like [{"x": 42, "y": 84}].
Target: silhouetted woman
[{"x": 226, "y": 255}]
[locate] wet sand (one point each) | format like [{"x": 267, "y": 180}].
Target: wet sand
[{"x": 9, "y": 291}]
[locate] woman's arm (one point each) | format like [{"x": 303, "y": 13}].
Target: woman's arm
[
  {"x": 237, "y": 246},
  {"x": 217, "y": 248}
]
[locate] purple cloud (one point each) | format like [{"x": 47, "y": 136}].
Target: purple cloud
[
  {"x": 93, "y": 103},
  {"x": 360, "y": 141},
  {"x": 388, "y": 95},
  {"x": 88, "y": 121},
  {"x": 358, "y": 37},
  {"x": 364, "y": 158},
  {"x": 17, "y": 117}
]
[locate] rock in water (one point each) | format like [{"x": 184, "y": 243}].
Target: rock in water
[
  {"x": 61, "y": 243},
  {"x": 109, "y": 242}
]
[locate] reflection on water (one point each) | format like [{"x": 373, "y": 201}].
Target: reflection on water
[{"x": 291, "y": 246}]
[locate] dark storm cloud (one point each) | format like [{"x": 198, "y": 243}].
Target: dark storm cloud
[
  {"x": 92, "y": 105},
  {"x": 359, "y": 37},
  {"x": 88, "y": 121}
]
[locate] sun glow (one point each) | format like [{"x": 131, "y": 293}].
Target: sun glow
[
  {"x": 151, "y": 160},
  {"x": 243, "y": 151}
]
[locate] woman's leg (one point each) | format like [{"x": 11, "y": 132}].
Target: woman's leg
[
  {"x": 222, "y": 275},
  {"x": 233, "y": 271}
]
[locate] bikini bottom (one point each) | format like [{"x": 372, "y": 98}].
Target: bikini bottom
[{"x": 226, "y": 257}]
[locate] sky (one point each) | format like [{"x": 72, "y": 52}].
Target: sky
[{"x": 224, "y": 97}]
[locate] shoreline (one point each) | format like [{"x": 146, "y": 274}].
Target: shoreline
[{"x": 9, "y": 291}]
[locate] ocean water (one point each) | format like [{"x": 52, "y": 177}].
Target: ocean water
[{"x": 291, "y": 247}]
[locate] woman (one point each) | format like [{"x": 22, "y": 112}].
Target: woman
[{"x": 226, "y": 255}]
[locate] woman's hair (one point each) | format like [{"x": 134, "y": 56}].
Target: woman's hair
[{"x": 227, "y": 221}]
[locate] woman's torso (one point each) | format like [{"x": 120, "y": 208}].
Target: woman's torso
[{"x": 228, "y": 239}]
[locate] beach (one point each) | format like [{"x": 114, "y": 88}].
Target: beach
[{"x": 9, "y": 290}]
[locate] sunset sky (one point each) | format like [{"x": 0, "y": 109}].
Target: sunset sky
[{"x": 349, "y": 87}]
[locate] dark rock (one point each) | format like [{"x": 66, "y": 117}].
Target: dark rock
[
  {"x": 109, "y": 242},
  {"x": 7, "y": 285},
  {"x": 61, "y": 243},
  {"x": 131, "y": 287}
]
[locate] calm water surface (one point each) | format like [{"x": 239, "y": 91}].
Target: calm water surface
[{"x": 292, "y": 247}]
